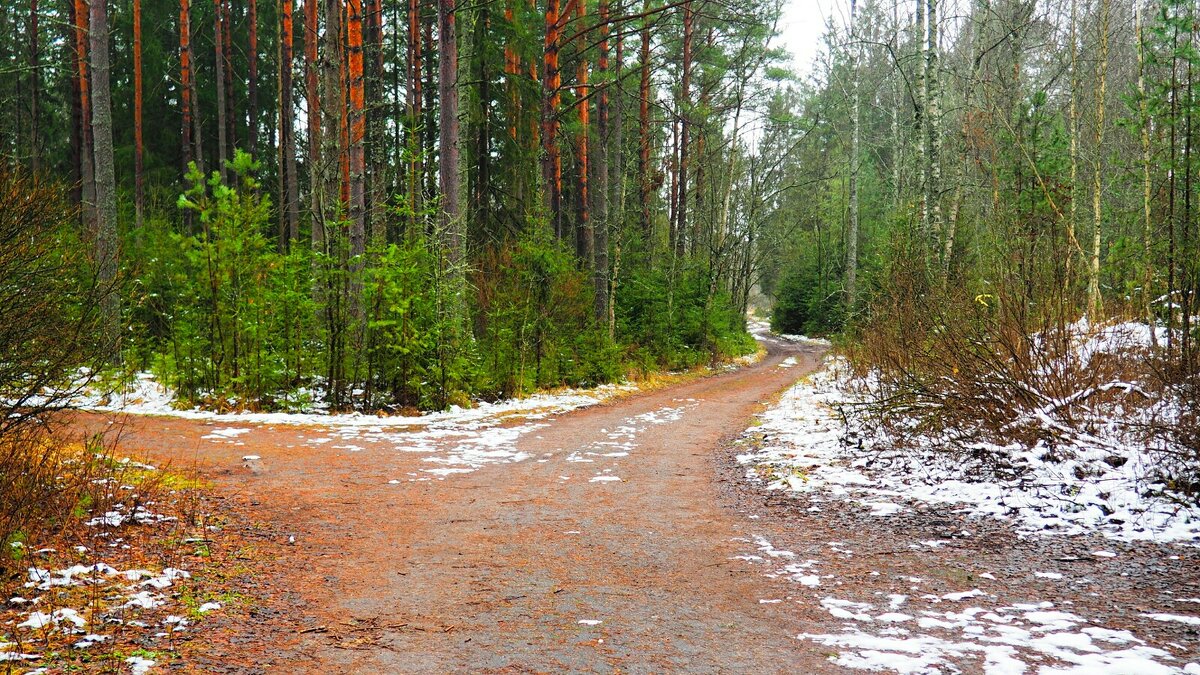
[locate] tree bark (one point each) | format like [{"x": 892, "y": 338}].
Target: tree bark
[
  {"x": 1095, "y": 304},
  {"x": 106, "y": 179},
  {"x": 252, "y": 79},
  {"x": 584, "y": 236},
  {"x": 289, "y": 211},
  {"x": 313, "y": 99},
  {"x": 219, "y": 59},
  {"x": 1147, "y": 230},
  {"x": 87, "y": 174},
  {"x": 933, "y": 184},
  {"x": 35, "y": 87},
  {"x": 139, "y": 203},
  {"x": 644, "y": 182},
  {"x": 448, "y": 136},
  {"x": 685, "y": 103},
  {"x": 551, "y": 81},
  {"x": 414, "y": 116},
  {"x": 600, "y": 196},
  {"x": 855, "y": 123},
  {"x": 357, "y": 206}
]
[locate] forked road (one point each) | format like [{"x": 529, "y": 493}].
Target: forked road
[{"x": 611, "y": 548}]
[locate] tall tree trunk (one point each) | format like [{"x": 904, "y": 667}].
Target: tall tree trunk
[
  {"x": 448, "y": 135},
  {"x": 933, "y": 184},
  {"x": 139, "y": 203},
  {"x": 1147, "y": 231},
  {"x": 644, "y": 182},
  {"x": 1073, "y": 131},
  {"x": 1095, "y": 306},
  {"x": 896, "y": 78},
  {"x": 76, "y": 129},
  {"x": 193, "y": 148},
  {"x": 230, "y": 104},
  {"x": 375, "y": 143},
  {"x": 357, "y": 206},
  {"x": 600, "y": 195},
  {"x": 219, "y": 58},
  {"x": 313, "y": 99},
  {"x": 615, "y": 225},
  {"x": 855, "y": 133},
  {"x": 35, "y": 65},
  {"x": 920, "y": 111},
  {"x": 551, "y": 81},
  {"x": 252, "y": 79},
  {"x": 106, "y": 178},
  {"x": 685, "y": 103},
  {"x": 414, "y": 115},
  {"x": 289, "y": 211},
  {"x": 584, "y": 236},
  {"x": 87, "y": 173},
  {"x": 481, "y": 179}
]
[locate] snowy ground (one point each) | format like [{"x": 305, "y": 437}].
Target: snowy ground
[
  {"x": 800, "y": 447},
  {"x": 80, "y": 607},
  {"x": 910, "y": 630}
]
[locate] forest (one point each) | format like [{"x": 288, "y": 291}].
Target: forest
[{"x": 917, "y": 307}]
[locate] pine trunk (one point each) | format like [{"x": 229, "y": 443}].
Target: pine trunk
[
  {"x": 313, "y": 99},
  {"x": 219, "y": 59},
  {"x": 685, "y": 132},
  {"x": 584, "y": 236},
  {"x": 551, "y": 80},
  {"x": 34, "y": 86},
  {"x": 138, "y": 185},
  {"x": 87, "y": 174},
  {"x": 106, "y": 179},
  {"x": 357, "y": 131},
  {"x": 289, "y": 211},
  {"x": 600, "y": 192},
  {"x": 644, "y": 184},
  {"x": 448, "y": 134},
  {"x": 252, "y": 79}
]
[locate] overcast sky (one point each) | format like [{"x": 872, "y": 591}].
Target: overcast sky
[{"x": 801, "y": 27}]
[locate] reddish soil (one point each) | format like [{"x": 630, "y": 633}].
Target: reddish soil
[{"x": 494, "y": 570}]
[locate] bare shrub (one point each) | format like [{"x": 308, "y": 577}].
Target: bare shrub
[
  {"x": 982, "y": 375},
  {"x": 48, "y": 332}
]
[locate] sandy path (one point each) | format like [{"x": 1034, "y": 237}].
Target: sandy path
[{"x": 608, "y": 549}]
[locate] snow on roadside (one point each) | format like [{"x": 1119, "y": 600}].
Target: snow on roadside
[
  {"x": 801, "y": 446},
  {"x": 145, "y": 396},
  {"x": 910, "y": 631}
]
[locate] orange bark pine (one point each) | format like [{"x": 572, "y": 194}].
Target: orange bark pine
[
  {"x": 313, "y": 98},
  {"x": 185, "y": 78},
  {"x": 87, "y": 177},
  {"x": 552, "y": 80},
  {"x": 355, "y": 156},
  {"x": 583, "y": 233},
  {"x": 512, "y": 66}
]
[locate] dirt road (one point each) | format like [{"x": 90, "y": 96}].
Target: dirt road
[{"x": 608, "y": 548}]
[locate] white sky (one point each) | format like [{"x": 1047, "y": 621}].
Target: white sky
[{"x": 801, "y": 27}]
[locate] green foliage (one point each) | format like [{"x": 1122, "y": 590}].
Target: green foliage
[
  {"x": 804, "y": 305},
  {"x": 225, "y": 315}
]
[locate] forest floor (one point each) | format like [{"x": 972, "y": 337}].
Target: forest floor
[{"x": 629, "y": 540}]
